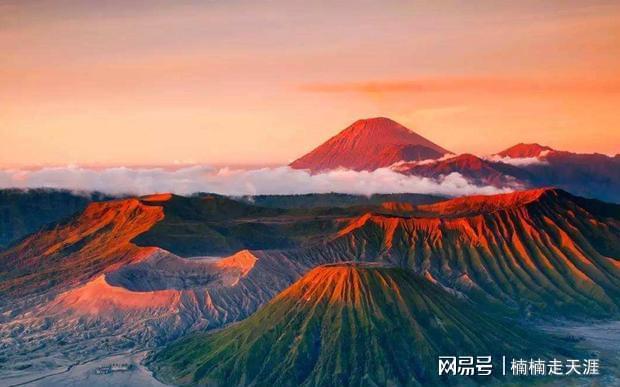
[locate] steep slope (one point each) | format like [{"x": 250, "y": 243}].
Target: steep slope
[
  {"x": 23, "y": 212},
  {"x": 86, "y": 281},
  {"x": 86, "y": 287},
  {"x": 367, "y": 145},
  {"x": 534, "y": 250},
  {"x": 108, "y": 235},
  {"x": 142, "y": 304},
  {"x": 94, "y": 242},
  {"x": 542, "y": 251},
  {"x": 345, "y": 325}
]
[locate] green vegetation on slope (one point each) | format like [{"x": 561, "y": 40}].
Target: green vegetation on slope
[{"x": 346, "y": 325}]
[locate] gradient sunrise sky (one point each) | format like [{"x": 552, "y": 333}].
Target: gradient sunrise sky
[{"x": 262, "y": 82}]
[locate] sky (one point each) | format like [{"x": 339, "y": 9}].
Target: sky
[{"x": 141, "y": 83}]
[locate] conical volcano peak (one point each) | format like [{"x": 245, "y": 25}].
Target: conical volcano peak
[
  {"x": 369, "y": 144},
  {"x": 384, "y": 129},
  {"x": 335, "y": 318},
  {"x": 341, "y": 282}
]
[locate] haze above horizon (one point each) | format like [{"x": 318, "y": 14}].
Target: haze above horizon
[{"x": 262, "y": 83}]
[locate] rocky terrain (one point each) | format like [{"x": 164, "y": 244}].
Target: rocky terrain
[{"x": 119, "y": 276}]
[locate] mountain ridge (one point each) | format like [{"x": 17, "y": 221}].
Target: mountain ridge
[
  {"x": 547, "y": 251},
  {"x": 536, "y": 254}
]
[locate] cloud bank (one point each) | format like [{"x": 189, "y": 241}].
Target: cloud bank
[
  {"x": 236, "y": 182},
  {"x": 520, "y": 161}
]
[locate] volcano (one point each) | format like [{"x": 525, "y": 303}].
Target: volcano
[
  {"x": 369, "y": 144},
  {"x": 541, "y": 251},
  {"x": 346, "y": 324},
  {"x": 143, "y": 271}
]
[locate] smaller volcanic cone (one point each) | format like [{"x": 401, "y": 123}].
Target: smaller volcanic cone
[{"x": 348, "y": 325}]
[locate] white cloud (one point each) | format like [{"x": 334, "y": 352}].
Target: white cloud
[
  {"x": 237, "y": 182},
  {"x": 404, "y": 165},
  {"x": 520, "y": 161}
]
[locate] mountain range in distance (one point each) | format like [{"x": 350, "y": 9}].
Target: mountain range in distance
[
  {"x": 316, "y": 289},
  {"x": 374, "y": 143}
]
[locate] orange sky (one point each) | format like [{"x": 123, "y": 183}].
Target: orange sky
[{"x": 246, "y": 82}]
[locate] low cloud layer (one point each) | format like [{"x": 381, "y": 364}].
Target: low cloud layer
[
  {"x": 520, "y": 161},
  {"x": 236, "y": 182}
]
